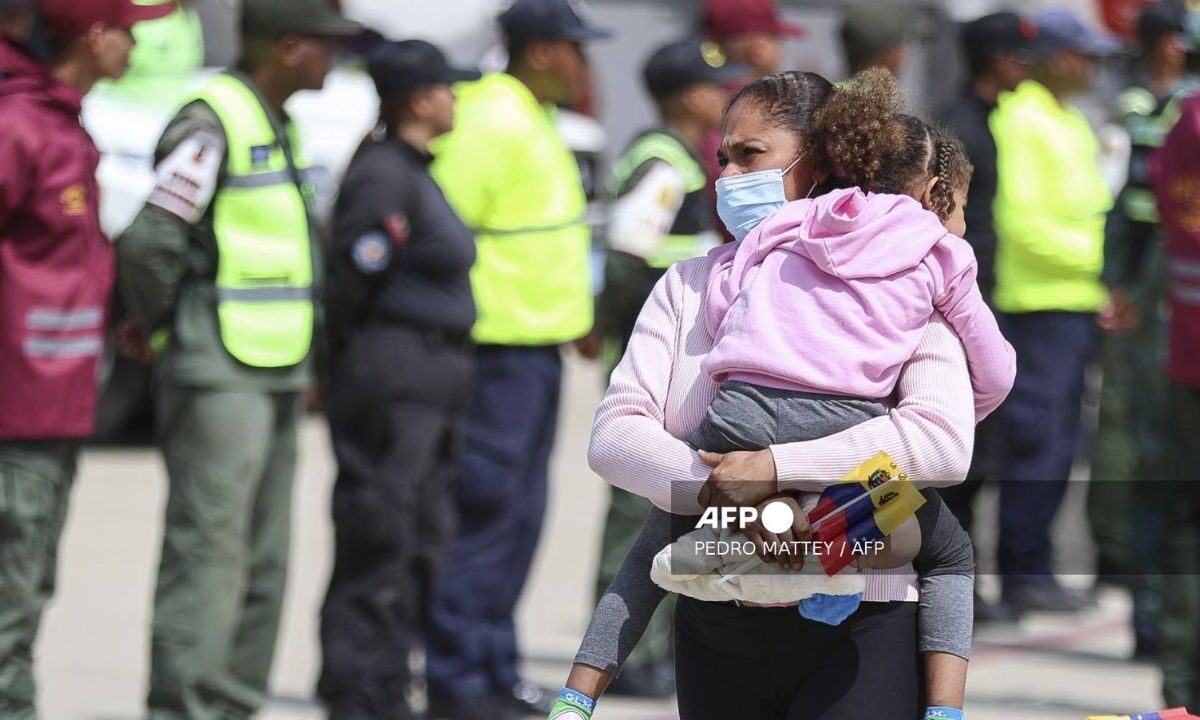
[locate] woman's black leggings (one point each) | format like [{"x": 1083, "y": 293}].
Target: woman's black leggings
[{"x": 772, "y": 664}]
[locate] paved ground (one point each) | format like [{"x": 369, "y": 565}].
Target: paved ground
[{"x": 92, "y": 663}]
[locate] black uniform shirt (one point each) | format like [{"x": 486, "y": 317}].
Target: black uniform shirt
[
  {"x": 968, "y": 118},
  {"x": 400, "y": 254}
]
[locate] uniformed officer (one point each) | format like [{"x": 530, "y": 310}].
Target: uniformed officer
[
  {"x": 661, "y": 214},
  {"x": 225, "y": 258},
  {"x": 511, "y": 179},
  {"x": 998, "y": 48},
  {"x": 1125, "y": 511},
  {"x": 56, "y": 275},
  {"x": 400, "y": 312},
  {"x": 1176, "y": 176},
  {"x": 1049, "y": 254}
]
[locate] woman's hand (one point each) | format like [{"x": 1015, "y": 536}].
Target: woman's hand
[
  {"x": 738, "y": 479},
  {"x": 800, "y": 531}
]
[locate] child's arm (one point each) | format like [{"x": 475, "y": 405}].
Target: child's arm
[
  {"x": 577, "y": 701},
  {"x": 621, "y": 616},
  {"x": 945, "y": 680},
  {"x": 990, "y": 358},
  {"x": 945, "y": 615},
  {"x": 588, "y": 680}
]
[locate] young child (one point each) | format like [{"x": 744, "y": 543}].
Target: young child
[{"x": 816, "y": 311}]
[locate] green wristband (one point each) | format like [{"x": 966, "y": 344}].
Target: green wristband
[{"x": 572, "y": 704}]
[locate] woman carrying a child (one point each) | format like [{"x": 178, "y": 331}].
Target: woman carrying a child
[{"x": 839, "y": 327}]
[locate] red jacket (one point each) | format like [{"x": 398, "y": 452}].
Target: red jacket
[
  {"x": 56, "y": 266},
  {"x": 1175, "y": 174}
]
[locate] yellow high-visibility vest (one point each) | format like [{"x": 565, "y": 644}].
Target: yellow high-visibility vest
[
  {"x": 1051, "y": 205},
  {"x": 264, "y": 274},
  {"x": 507, "y": 173}
]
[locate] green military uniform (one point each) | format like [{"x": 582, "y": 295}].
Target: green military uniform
[
  {"x": 1126, "y": 515},
  {"x": 628, "y": 281},
  {"x": 234, "y": 292},
  {"x": 1179, "y": 622},
  {"x": 35, "y": 482}
]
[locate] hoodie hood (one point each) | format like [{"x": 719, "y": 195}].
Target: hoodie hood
[
  {"x": 854, "y": 235},
  {"x": 21, "y": 74}
]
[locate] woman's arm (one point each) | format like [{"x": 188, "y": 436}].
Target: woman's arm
[
  {"x": 630, "y": 446},
  {"x": 930, "y": 432}
]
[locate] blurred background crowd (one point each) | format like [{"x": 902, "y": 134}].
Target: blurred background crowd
[{"x": 1095, "y": 83}]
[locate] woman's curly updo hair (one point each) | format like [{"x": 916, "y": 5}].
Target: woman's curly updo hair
[
  {"x": 862, "y": 137},
  {"x": 788, "y": 100}
]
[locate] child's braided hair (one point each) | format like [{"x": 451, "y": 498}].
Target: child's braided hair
[
  {"x": 953, "y": 170},
  {"x": 863, "y": 138}
]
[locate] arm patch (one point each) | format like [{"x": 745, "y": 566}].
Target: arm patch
[
  {"x": 371, "y": 253},
  {"x": 187, "y": 178}
]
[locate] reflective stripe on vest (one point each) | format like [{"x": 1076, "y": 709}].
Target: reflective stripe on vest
[
  {"x": 1139, "y": 205},
  {"x": 69, "y": 347},
  {"x": 51, "y": 319},
  {"x": 1189, "y": 269},
  {"x": 1185, "y": 280},
  {"x": 532, "y": 230},
  {"x": 40, "y": 320},
  {"x": 1186, "y": 295},
  {"x": 260, "y": 220}
]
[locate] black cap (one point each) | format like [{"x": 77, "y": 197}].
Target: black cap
[
  {"x": 549, "y": 20},
  {"x": 677, "y": 65},
  {"x": 998, "y": 34},
  {"x": 399, "y": 68},
  {"x": 1157, "y": 19},
  {"x": 276, "y": 18}
]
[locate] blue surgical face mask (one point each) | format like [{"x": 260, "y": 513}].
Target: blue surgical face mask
[{"x": 744, "y": 201}]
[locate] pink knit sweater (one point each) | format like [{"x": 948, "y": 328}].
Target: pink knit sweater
[{"x": 658, "y": 394}]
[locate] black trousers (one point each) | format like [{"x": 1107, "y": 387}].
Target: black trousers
[
  {"x": 397, "y": 407},
  {"x": 1042, "y": 428},
  {"x": 771, "y": 664}
]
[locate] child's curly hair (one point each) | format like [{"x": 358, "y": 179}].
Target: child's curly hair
[{"x": 862, "y": 137}]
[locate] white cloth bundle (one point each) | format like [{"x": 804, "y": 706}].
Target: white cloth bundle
[{"x": 683, "y": 567}]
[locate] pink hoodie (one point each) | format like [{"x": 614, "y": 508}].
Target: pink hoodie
[{"x": 832, "y": 295}]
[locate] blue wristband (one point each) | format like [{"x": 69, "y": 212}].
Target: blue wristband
[
  {"x": 574, "y": 697},
  {"x": 938, "y": 712}
]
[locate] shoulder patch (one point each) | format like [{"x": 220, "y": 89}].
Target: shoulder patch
[
  {"x": 371, "y": 253},
  {"x": 186, "y": 179},
  {"x": 397, "y": 228}
]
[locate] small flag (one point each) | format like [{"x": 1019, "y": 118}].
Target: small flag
[
  {"x": 1172, "y": 714},
  {"x": 868, "y": 504}
]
